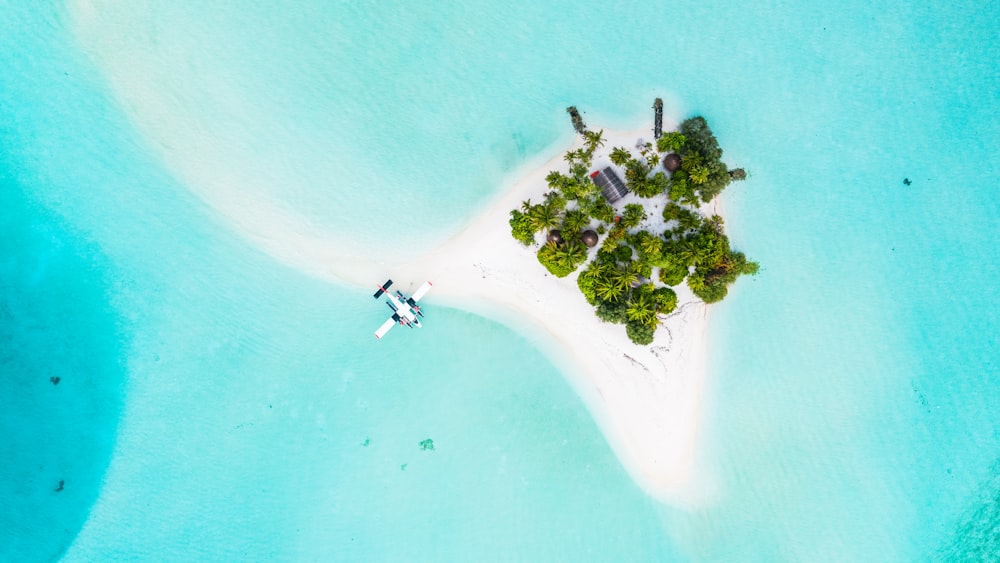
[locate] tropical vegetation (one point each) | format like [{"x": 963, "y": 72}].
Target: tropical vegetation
[{"x": 630, "y": 275}]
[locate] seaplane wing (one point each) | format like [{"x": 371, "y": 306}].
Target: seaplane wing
[
  {"x": 389, "y": 323},
  {"x": 421, "y": 291},
  {"x": 382, "y": 289},
  {"x": 405, "y": 310}
]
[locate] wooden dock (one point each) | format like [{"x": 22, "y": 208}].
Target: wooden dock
[{"x": 658, "y": 118}]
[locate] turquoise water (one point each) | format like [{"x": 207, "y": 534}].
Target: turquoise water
[
  {"x": 214, "y": 404},
  {"x": 62, "y": 377}
]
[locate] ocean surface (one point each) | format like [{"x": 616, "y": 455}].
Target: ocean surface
[{"x": 172, "y": 392}]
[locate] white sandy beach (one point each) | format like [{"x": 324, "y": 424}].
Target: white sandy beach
[{"x": 645, "y": 399}]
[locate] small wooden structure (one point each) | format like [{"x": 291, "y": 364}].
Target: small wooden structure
[
  {"x": 611, "y": 185},
  {"x": 555, "y": 235},
  {"x": 657, "y": 118},
  {"x": 589, "y": 237}
]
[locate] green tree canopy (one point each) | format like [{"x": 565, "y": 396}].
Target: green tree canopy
[
  {"x": 642, "y": 307},
  {"x": 693, "y": 249},
  {"x": 699, "y": 138},
  {"x": 561, "y": 261},
  {"x": 670, "y": 142},
  {"x": 587, "y": 280},
  {"x": 633, "y": 215},
  {"x": 574, "y": 221},
  {"x": 593, "y": 140},
  {"x": 623, "y": 278},
  {"x": 683, "y": 191},
  {"x": 639, "y": 333},
  {"x": 556, "y": 180},
  {"x": 556, "y": 200},
  {"x": 648, "y": 245},
  {"x": 543, "y": 216},
  {"x": 600, "y": 210},
  {"x": 673, "y": 273},
  {"x": 612, "y": 311},
  {"x": 666, "y": 300},
  {"x": 620, "y": 155},
  {"x": 521, "y": 227},
  {"x": 702, "y": 159}
]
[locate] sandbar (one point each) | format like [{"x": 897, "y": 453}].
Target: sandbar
[{"x": 646, "y": 399}]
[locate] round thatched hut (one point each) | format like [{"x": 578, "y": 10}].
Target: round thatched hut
[
  {"x": 555, "y": 235},
  {"x": 589, "y": 238},
  {"x": 672, "y": 162}
]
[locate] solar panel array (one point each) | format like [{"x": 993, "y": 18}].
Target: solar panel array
[{"x": 611, "y": 185}]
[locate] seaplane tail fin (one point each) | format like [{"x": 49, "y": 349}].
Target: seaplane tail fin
[
  {"x": 389, "y": 323},
  {"x": 421, "y": 291},
  {"x": 382, "y": 288}
]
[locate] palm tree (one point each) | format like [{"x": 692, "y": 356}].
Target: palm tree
[
  {"x": 691, "y": 161},
  {"x": 623, "y": 278},
  {"x": 605, "y": 290},
  {"x": 575, "y": 220},
  {"x": 642, "y": 308},
  {"x": 637, "y": 267},
  {"x": 595, "y": 140},
  {"x": 665, "y": 299},
  {"x": 579, "y": 169},
  {"x": 619, "y": 156},
  {"x": 571, "y": 254},
  {"x": 650, "y": 245},
  {"x": 543, "y": 216},
  {"x": 698, "y": 174},
  {"x": 556, "y": 181},
  {"x": 636, "y": 171},
  {"x": 681, "y": 252},
  {"x": 550, "y": 248},
  {"x": 670, "y": 142},
  {"x": 604, "y": 287},
  {"x": 633, "y": 215}
]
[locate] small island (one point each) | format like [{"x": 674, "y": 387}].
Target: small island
[
  {"x": 647, "y": 399},
  {"x": 651, "y": 232}
]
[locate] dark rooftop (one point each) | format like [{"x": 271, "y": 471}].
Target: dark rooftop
[{"x": 611, "y": 185}]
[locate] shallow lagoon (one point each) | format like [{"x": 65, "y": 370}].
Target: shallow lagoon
[{"x": 853, "y": 409}]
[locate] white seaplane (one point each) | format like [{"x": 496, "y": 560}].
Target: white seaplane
[{"x": 405, "y": 310}]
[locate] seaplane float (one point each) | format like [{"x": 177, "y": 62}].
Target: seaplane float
[{"x": 405, "y": 310}]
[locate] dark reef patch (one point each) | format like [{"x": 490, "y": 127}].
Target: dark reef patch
[{"x": 977, "y": 534}]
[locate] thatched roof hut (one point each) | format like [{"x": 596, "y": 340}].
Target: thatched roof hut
[
  {"x": 555, "y": 235},
  {"x": 589, "y": 238},
  {"x": 672, "y": 162}
]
